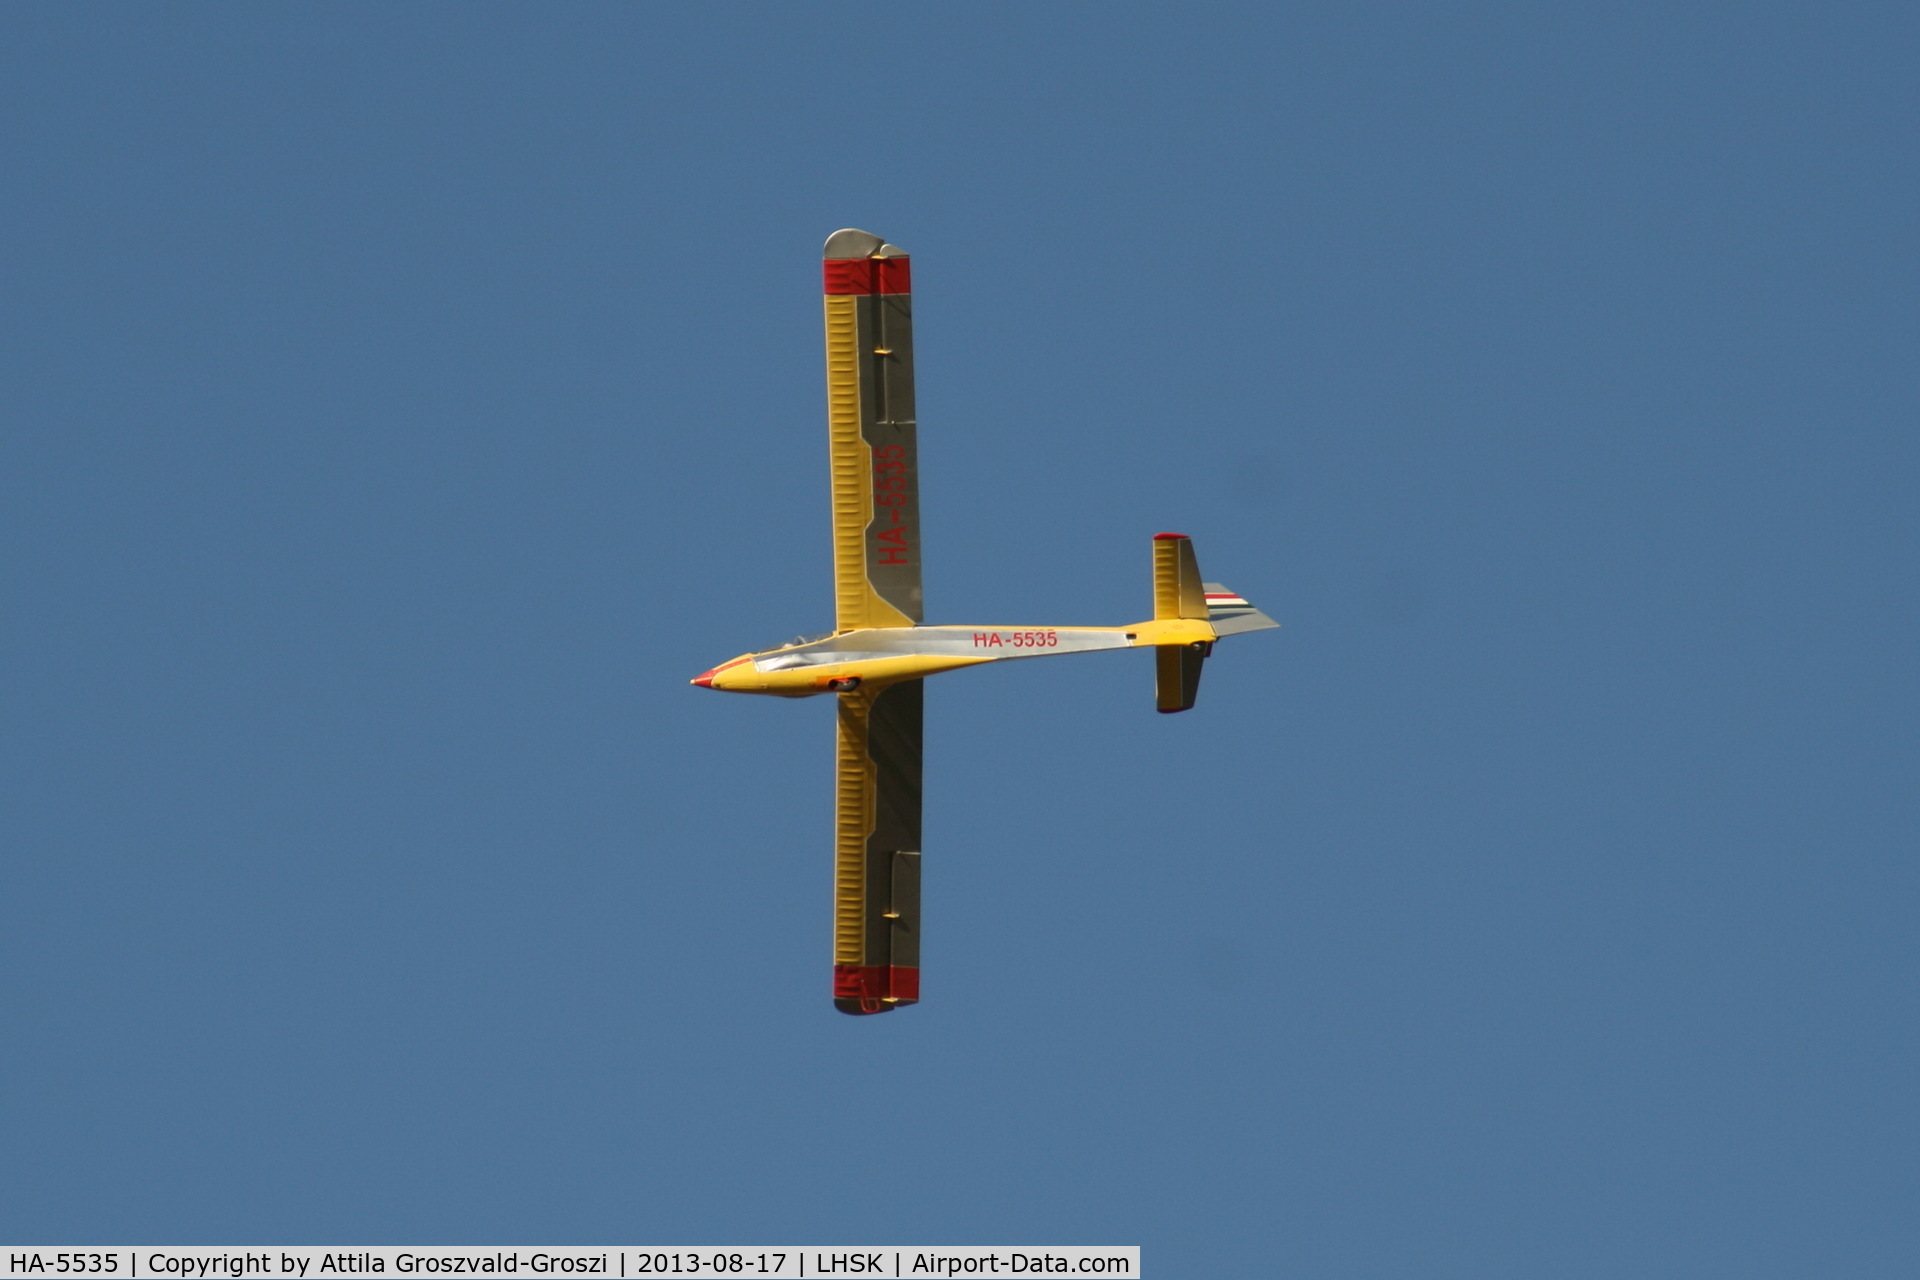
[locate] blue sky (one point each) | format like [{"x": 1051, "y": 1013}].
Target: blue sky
[{"x": 403, "y": 402}]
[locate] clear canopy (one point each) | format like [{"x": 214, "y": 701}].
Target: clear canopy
[{"x": 800, "y": 640}]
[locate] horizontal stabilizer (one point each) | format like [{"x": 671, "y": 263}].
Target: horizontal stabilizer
[
  {"x": 1230, "y": 614},
  {"x": 1176, "y": 579},
  {"x": 1176, "y": 675}
]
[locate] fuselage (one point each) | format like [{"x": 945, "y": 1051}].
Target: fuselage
[{"x": 881, "y": 655}]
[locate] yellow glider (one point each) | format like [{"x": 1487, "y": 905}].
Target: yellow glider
[{"x": 878, "y": 652}]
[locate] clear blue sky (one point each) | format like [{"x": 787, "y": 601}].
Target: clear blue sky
[{"x": 403, "y": 402}]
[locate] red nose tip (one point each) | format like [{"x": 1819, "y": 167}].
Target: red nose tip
[{"x": 704, "y": 680}]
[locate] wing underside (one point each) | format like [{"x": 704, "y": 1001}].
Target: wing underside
[
  {"x": 870, "y": 416},
  {"x": 876, "y": 934},
  {"x": 876, "y": 581}
]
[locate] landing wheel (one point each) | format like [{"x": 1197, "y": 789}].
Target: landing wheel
[{"x": 846, "y": 685}]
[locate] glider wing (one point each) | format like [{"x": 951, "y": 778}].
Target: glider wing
[
  {"x": 876, "y": 481},
  {"x": 876, "y": 889}
]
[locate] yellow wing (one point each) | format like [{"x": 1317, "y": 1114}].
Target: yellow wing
[
  {"x": 870, "y": 423},
  {"x": 876, "y": 580},
  {"x": 876, "y": 864}
]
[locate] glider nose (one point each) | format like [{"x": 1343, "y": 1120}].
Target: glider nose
[{"x": 718, "y": 677}]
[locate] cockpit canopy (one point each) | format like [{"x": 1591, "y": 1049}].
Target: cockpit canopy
[{"x": 798, "y": 641}]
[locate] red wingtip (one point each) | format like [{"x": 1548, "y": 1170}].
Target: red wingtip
[
  {"x": 859, "y": 989},
  {"x": 868, "y": 275},
  {"x": 1158, "y": 536}
]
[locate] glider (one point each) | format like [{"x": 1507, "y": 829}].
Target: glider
[{"x": 878, "y": 653}]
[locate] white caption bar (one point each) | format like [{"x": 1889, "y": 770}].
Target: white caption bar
[{"x": 623, "y": 1262}]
